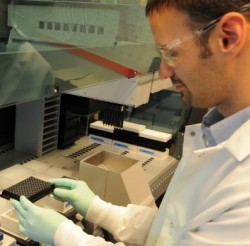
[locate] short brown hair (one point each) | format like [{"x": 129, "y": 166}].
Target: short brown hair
[{"x": 199, "y": 11}]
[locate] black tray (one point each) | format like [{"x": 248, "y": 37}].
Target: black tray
[{"x": 33, "y": 188}]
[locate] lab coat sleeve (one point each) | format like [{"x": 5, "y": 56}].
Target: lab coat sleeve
[
  {"x": 70, "y": 234},
  {"x": 129, "y": 224}
]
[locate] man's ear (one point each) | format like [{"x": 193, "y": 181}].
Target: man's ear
[{"x": 232, "y": 32}]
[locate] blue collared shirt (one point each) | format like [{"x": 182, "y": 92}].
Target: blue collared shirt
[{"x": 217, "y": 129}]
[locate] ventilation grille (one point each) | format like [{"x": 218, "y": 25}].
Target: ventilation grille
[{"x": 50, "y": 123}]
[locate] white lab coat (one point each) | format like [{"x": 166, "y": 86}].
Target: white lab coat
[{"x": 207, "y": 202}]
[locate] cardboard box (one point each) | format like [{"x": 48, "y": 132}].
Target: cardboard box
[
  {"x": 116, "y": 178},
  {"x": 10, "y": 224}
]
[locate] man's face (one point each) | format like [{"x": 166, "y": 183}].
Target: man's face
[{"x": 200, "y": 80}]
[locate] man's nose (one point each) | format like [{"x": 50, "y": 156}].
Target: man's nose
[{"x": 165, "y": 71}]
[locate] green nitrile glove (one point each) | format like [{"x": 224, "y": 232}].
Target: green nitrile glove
[
  {"x": 77, "y": 193},
  {"x": 39, "y": 224}
]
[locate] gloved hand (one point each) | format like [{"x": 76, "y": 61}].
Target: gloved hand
[
  {"x": 39, "y": 224},
  {"x": 77, "y": 193}
]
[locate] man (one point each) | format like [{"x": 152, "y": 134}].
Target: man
[{"x": 205, "y": 49}]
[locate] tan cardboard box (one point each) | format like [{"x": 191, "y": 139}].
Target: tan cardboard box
[{"x": 116, "y": 178}]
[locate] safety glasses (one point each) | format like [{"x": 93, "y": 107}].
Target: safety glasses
[{"x": 169, "y": 53}]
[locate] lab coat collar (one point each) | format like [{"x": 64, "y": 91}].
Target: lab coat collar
[
  {"x": 217, "y": 129},
  {"x": 238, "y": 144}
]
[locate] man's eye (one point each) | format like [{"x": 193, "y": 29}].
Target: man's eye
[{"x": 172, "y": 54}]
